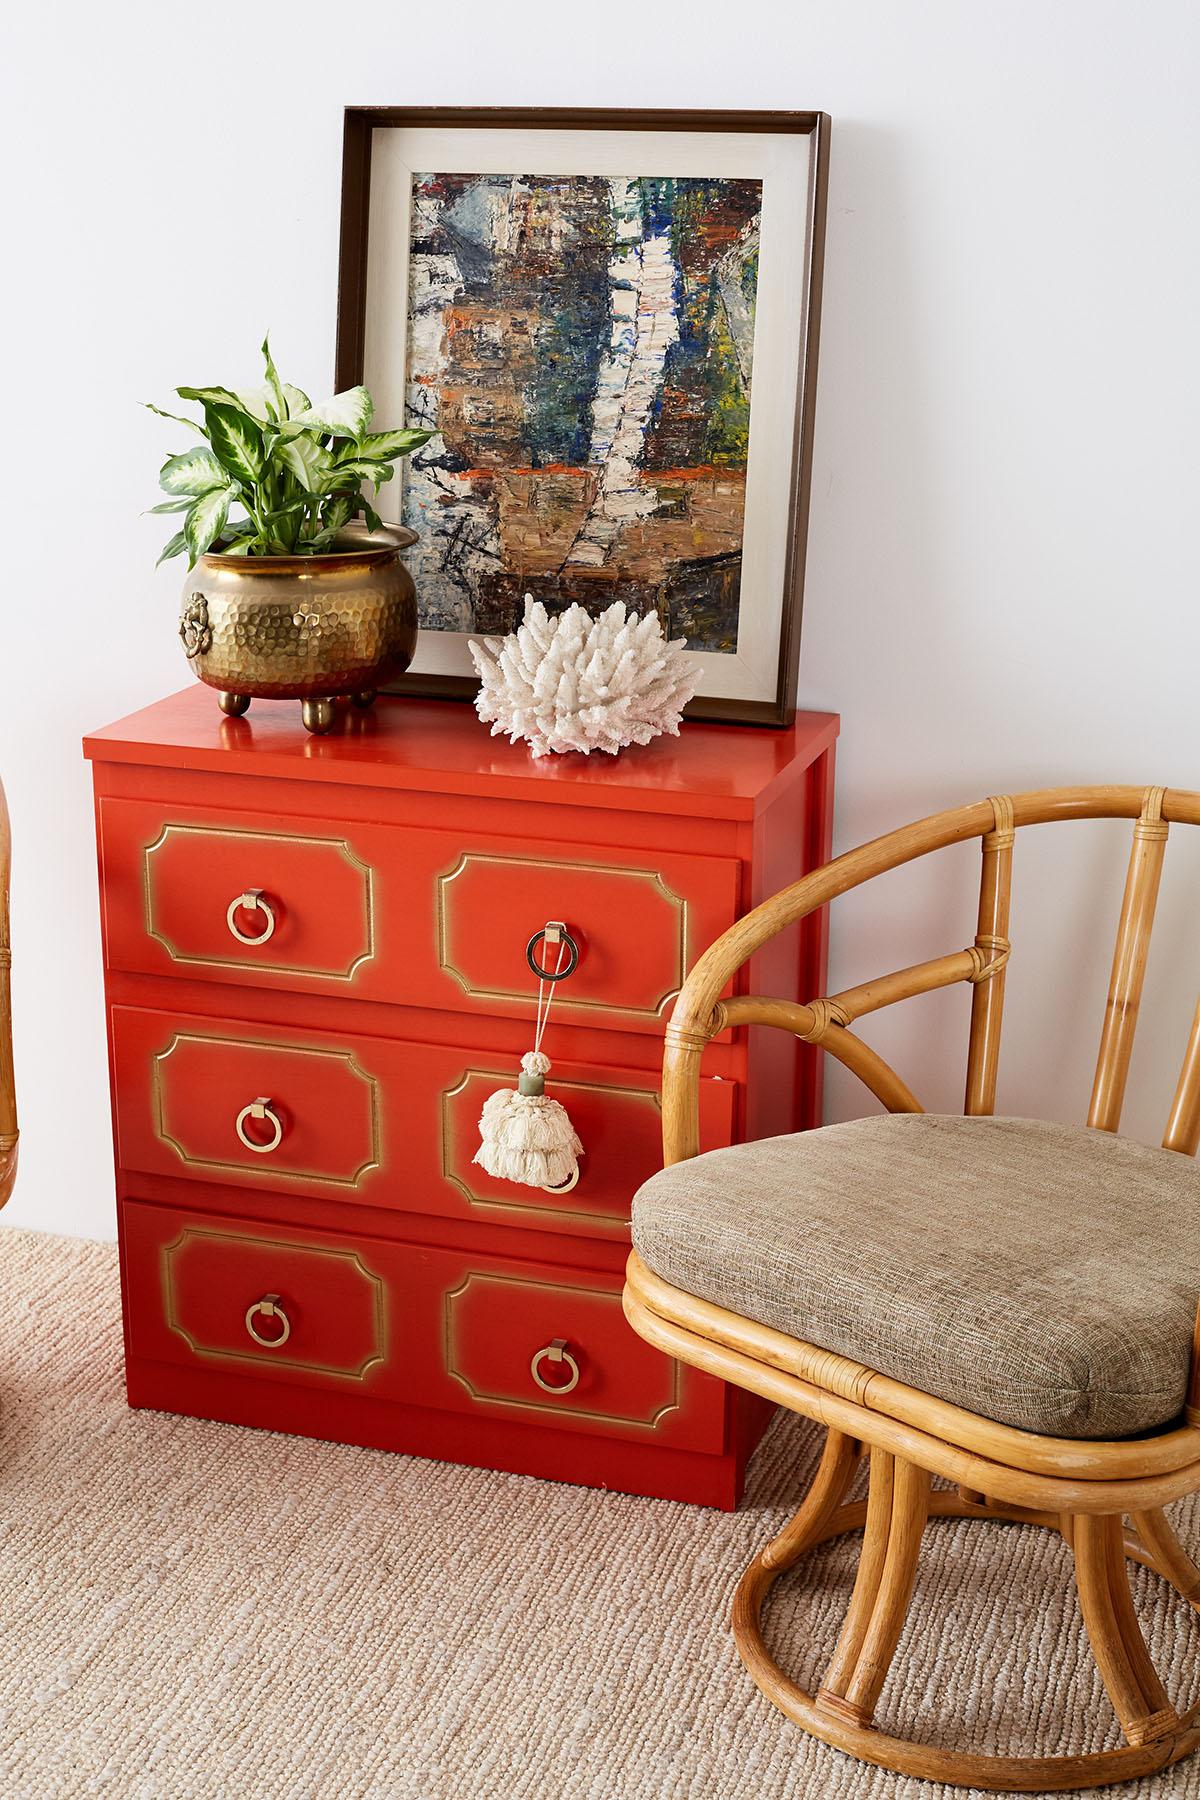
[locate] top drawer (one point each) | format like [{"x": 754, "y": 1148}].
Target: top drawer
[{"x": 411, "y": 916}]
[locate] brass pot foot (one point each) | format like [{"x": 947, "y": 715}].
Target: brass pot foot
[
  {"x": 234, "y": 705},
  {"x": 317, "y": 715},
  {"x": 365, "y": 698}
]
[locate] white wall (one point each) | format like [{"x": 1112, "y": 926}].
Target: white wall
[{"x": 1002, "y": 587}]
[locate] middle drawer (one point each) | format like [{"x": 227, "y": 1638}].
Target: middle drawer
[{"x": 379, "y": 1121}]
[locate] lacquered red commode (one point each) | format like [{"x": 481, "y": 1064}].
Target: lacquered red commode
[{"x": 316, "y": 974}]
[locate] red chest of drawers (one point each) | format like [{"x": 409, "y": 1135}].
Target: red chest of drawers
[{"x": 315, "y": 975}]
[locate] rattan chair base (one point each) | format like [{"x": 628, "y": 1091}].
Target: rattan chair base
[
  {"x": 827, "y": 1717},
  {"x": 1086, "y": 1503}
]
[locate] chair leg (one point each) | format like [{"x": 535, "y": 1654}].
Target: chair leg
[
  {"x": 835, "y": 1471},
  {"x": 872, "y": 1556},
  {"x": 1167, "y": 1554},
  {"x": 1137, "y": 1694},
  {"x": 897, "y": 1508}
]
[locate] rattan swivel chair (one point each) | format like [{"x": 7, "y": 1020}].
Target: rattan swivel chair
[{"x": 1005, "y": 1303}]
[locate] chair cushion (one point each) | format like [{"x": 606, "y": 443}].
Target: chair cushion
[{"x": 1043, "y": 1275}]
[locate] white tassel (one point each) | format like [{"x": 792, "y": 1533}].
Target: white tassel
[{"x": 528, "y": 1137}]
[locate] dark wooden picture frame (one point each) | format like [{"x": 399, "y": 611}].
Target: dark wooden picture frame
[{"x": 360, "y": 124}]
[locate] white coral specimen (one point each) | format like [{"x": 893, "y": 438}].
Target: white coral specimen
[{"x": 572, "y": 682}]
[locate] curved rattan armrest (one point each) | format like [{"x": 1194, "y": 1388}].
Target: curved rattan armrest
[{"x": 693, "y": 1014}]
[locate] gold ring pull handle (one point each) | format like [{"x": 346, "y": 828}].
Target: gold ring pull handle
[
  {"x": 269, "y": 1308},
  {"x": 555, "y": 1352},
  {"x": 564, "y": 1187},
  {"x": 261, "y": 1108},
  {"x": 253, "y": 900}
]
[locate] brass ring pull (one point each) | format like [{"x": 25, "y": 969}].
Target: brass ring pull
[
  {"x": 564, "y": 1187},
  {"x": 254, "y": 900},
  {"x": 270, "y": 1308},
  {"x": 260, "y": 1109},
  {"x": 555, "y": 1352}
]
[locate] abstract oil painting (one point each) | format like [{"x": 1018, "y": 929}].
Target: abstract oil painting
[{"x": 584, "y": 345}]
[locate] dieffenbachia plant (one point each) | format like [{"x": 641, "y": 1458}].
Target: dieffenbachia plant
[{"x": 294, "y": 469}]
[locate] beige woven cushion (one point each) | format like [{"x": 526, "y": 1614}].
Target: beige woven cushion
[{"x": 1043, "y": 1275}]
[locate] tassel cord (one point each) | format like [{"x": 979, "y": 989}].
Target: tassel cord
[{"x": 545, "y": 999}]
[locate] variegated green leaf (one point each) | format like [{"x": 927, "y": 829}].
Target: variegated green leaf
[
  {"x": 208, "y": 396},
  {"x": 297, "y": 400},
  {"x": 236, "y": 441},
  {"x": 172, "y": 506},
  {"x": 337, "y": 512},
  {"x": 383, "y": 445},
  {"x": 345, "y": 415},
  {"x": 372, "y": 517},
  {"x": 241, "y": 548},
  {"x": 374, "y": 472},
  {"x": 206, "y": 522},
  {"x": 273, "y": 381},
  {"x": 282, "y": 514},
  {"x": 175, "y": 418},
  {"x": 195, "y": 472},
  {"x": 174, "y": 547},
  {"x": 308, "y": 461},
  {"x": 259, "y": 402}
]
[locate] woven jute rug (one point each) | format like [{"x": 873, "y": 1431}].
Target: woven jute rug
[{"x": 194, "y": 1609}]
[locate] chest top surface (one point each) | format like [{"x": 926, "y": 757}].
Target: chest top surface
[{"x": 440, "y": 746}]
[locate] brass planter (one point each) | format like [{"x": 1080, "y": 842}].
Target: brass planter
[{"x": 307, "y": 628}]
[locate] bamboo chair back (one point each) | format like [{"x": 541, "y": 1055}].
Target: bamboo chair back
[{"x": 827, "y": 1020}]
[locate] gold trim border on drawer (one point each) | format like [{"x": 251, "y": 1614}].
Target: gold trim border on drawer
[
  {"x": 449, "y": 1354},
  {"x": 539, "y": 864},
  {"x": 342, "y": 847},
  {"x": 276, "y": 1362},
  {"x": 486, "y": 1202},
  {"x": 242, "y": 1169}
]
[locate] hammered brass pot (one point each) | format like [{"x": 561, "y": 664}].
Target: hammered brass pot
[{"x": 307, "y": 628}]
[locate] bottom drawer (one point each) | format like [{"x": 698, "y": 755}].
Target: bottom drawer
[
  {"x": 498, "y": 1337},
  {"x": 259, "y": 1299},
  {"x": 526, "y": 1341}
]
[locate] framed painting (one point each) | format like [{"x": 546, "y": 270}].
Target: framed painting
[{"x": 610, "y": 320}]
